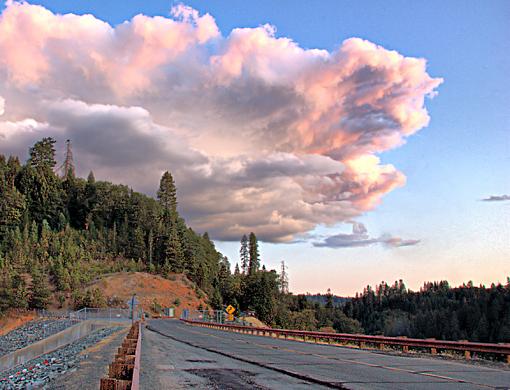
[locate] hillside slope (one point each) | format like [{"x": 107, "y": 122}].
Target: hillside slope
[
  {"x": 13, "y": 319},
  {"x": 177, "y": 291}
]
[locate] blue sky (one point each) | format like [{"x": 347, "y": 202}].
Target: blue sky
[{"x": 460, "y": 158}]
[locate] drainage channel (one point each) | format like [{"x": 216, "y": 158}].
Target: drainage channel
[{"x": 50, "y": 343}]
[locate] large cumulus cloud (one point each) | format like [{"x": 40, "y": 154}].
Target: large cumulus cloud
[{"x": 260, "y": 133}]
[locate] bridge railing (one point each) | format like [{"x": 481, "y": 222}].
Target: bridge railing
[
  {"x": 213, "y": 316},
  {"x": 366, "y": 341}
]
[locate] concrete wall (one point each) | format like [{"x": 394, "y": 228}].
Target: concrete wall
[{"x": 52, "y": 343}]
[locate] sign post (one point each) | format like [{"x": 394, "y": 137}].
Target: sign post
[
  {"x": 132, "y": 303},
  {"x": 230, "y": 311}
]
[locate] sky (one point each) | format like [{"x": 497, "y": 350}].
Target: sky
[{"x": 361, "y": 141}]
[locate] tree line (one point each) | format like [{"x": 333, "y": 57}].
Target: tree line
[
  {"x": 59, "y": 233},
  {"x": 436, "y": 311}
]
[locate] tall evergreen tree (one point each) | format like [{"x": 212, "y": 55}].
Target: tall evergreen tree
[
  {"x": 40, "y": 296},
  {"x": 42, "y": 154},
  {"x": 12, "y": 207},
  {"x": 171, "y": 242},
  {"x": 167, "y": 193},
  {"x": 173, "y": 251},
  {"x": 254, "y": 263},
  {"x": 244, "y": 254},
  {"x": 41, "y": 187},
  {"x": 19, "y": 292},
  {"x": 91, "y": 179},
  {"x": 6, "y": 290}
]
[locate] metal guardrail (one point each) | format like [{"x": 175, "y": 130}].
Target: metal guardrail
[
  {"x": 365, "y": 341},
  {"x": 124, "y": 372},
  {"x": 213, "y": 316}
]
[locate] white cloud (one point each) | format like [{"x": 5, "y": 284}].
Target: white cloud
[
  {"x": 360, "y": 238},
  {"x": 260, "y": 133}
]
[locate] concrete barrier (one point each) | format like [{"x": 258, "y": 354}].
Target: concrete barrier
[{"x": 52, "y": 343}]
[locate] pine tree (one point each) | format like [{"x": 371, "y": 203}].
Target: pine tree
[
  {"x": 244, "y": 254},
  {"x": 329, "y": 299},
  {"x": 39, "y": 184},
  {"x": 172, "y": 247},
  {"x": 138, "y": 244},
  {"x": 6, "y": 290},
  {"x": 167, "y": 193},
  {"x": 42, "y": 154},
  {"x": 254, "y": 263},
  {"x": 91, "y": 179},
  {"x": 216, "y": 300},
  {"x": 12, "y": 207},
  {"x": 173, "y": 251},
  {"x": 40, "y": 290},
  {"x": 150, "y": 243},
  {"x": 20, "y": 293},
  {"x": 61, "y": 275}
]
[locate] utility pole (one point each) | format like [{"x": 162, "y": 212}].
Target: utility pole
[
  {"x": 67, "y": 167},
  {"x": 284, "y": 279}
]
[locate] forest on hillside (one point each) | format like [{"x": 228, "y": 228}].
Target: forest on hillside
[
  {"x": 437, "y": 311},
  {"x": 59, "y": 232}
]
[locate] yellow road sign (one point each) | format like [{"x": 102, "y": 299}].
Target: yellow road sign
[{"x": 230, "y": 309}]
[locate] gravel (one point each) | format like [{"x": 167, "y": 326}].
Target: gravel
[
  {"x": 40, "y": 372},
  {"x": 30, "y": 333}
]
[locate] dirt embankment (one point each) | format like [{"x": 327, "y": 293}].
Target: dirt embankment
[
  {"x": 253, "y": 321},
  {"x": 13, "y": 319},
  {"x": 152, "y": 291}
]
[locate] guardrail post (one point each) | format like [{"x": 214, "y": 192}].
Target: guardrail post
[
  {"x": 433, "y": 350},
  {"x": 405, "y": 348},
  {"x": 467, "y": 355}
]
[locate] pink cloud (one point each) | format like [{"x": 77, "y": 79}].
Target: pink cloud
[{"x": 254, "y": 108}]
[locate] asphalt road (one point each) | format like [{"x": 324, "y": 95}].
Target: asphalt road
[{"x": 176, "y": 356}]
